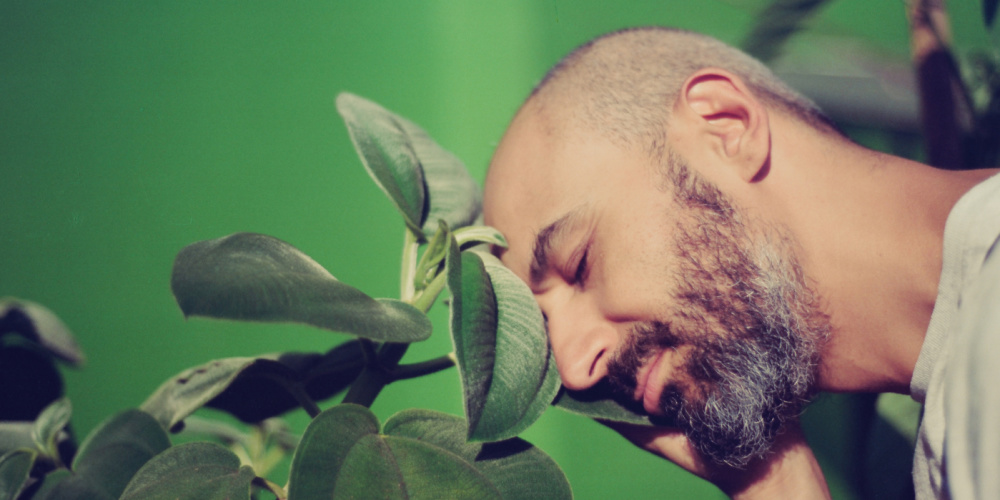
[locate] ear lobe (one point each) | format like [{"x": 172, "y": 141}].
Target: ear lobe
[{"x": 735, "y": 122}]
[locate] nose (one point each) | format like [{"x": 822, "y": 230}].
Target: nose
[{"x": 582, "y": 342}]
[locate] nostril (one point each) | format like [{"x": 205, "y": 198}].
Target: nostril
[{"x": 595, "y": 364}]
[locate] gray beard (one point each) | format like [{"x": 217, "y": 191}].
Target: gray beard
[{"x": 753, "y": 326}]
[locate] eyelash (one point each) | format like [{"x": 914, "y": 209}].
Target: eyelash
[{"x": 581, "y": 269}]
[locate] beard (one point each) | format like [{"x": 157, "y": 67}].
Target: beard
[{"x": 750, "y": 327}]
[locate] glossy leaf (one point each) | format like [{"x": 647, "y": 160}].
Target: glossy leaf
[
  {"x": 40, "y": 325},
  {"x": 387, "y": 153},
  {"x": 342, "y": 455},
  {"x": 599, "y": 403},
  {"x": 49, "y": 424},
  {"x": 396, "y": 152},
  {"x": 255, "y": 277},
  {"x": 508, "y": 373},
  {"x": 195, "y": 471},
  {"x": 113, "y": 453},
  {"x": 516, "y": 468},
  {"x": 15, "y": 468}
]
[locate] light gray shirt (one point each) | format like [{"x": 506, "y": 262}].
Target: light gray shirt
[{"x": 957, "y": 376}]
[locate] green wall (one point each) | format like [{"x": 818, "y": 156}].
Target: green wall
[{"x": 130, "y": 129}]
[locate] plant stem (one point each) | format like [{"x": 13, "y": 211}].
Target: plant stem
[
  {"x": 428, "y": 295},
  {"x": 376, "y": 376},
  {"x": 302, "y": 397},
  {"x": 408, "y": 267},
  {"x": 428, "y": 367}
]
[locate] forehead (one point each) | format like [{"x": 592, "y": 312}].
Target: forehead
[{"x": 541, "y": 172}]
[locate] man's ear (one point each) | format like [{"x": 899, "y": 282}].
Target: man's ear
[{"x": 732, "y": 119}]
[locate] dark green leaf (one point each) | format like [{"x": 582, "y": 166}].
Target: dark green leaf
[
  {"x": 15, "y": 467},
  {"x": 50, "y": 424},
  {"x": 16, "y": 435},
  {"x": 258, "y": 393},
  {"x": 397, "y": 153},
  {"x": 989, "y": 12},
  {"x": 776, "y": 24},
  {"x": 515, "y": 467},
  {"x": 599, "y": 402},
  {"x": 40, "y": 325},
  {"x": 195, "y": 471},
  {"x": 52, "y": 488},
  {"x": 341, "y": 455},
  {"x": 29, "y": 381},
  {"x": 386, "y": 150},
  {"x": 115, "y": 451},
  {"x": 452, "y": 195},
  {"x": 253, "y": 389},
  {"x": 256, "y": 277},
  {"x": 508, "y": 374}
]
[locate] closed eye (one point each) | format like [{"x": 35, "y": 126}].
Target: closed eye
[{"x": 581, "y": 268}]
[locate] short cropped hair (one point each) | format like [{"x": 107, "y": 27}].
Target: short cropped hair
[{"x": 623, "y": 84}]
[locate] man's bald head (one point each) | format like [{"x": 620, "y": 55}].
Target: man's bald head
[{"x": 624, "y": 84}]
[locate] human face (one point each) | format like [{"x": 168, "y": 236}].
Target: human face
[{"x": 657, "y": 286}]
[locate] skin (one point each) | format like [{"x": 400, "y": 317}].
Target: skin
[{"x": 866, "y": 228}]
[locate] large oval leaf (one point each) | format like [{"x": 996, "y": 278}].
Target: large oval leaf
[
  {"x": 387, "y": 153},
  {"x": 15, "y": 467},
  {"x": 40, "y": 325},
  {"x": 263, "y": 381},
  {"x": 255, "y": 277},
  {"x": 192, "y": 471},
  {"x": 507, "y": 369},
  {"x": 342, "y": 455},
  {"x": 260, "y": 391},
  {"x": 113, "y": 453},
  {"x": 515, "y": 467},
  {"x": 452, "y": 194},
  {"x": 396, "y": 152}
]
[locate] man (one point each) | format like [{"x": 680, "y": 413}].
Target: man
[{"x": 701, "y": 236}]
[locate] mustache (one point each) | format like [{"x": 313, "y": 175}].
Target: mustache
[{"x": 643, "y": 341}]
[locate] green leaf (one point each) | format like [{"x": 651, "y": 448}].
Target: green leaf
[
  {"x": 507, "y": 370},
  {"x": 515, "y": 467},
  {"x": 387, "y": 153},
  {"x": 39, "y": 325},
  {"x": 15, "y": 468},
  {"x": 117, "y": 449},
  {"x": 260, "y": 392},
  {"x": 776, "y": 24},
  {"x": 598, "y": 402},
  {"x": 195, "y": 471},
  {"x": 452, "y": 194},
  {"x": 342, "y": 455},
  {"x": 255, "y": 277},
  {"x": 475, "y": 235},
  {"x": 423, "y": 180},
  {"x": 16, "y": 435},
  {"x": 49, "y": 424}
]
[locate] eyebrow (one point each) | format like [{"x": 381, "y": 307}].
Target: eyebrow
[{"x": 545, "y": 241}]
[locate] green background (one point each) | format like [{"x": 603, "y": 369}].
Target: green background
[{"x": 130, "y": 129}]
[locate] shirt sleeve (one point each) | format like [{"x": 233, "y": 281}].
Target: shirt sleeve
[{"x": 972, "y": 390}]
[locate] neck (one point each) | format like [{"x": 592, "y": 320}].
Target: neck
[{"x": 870, "y": 229}]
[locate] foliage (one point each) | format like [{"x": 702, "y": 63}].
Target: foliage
[{"x": 504, "y": 362}]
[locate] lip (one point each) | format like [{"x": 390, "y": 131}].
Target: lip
[{"x": 648, "y": 389}]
